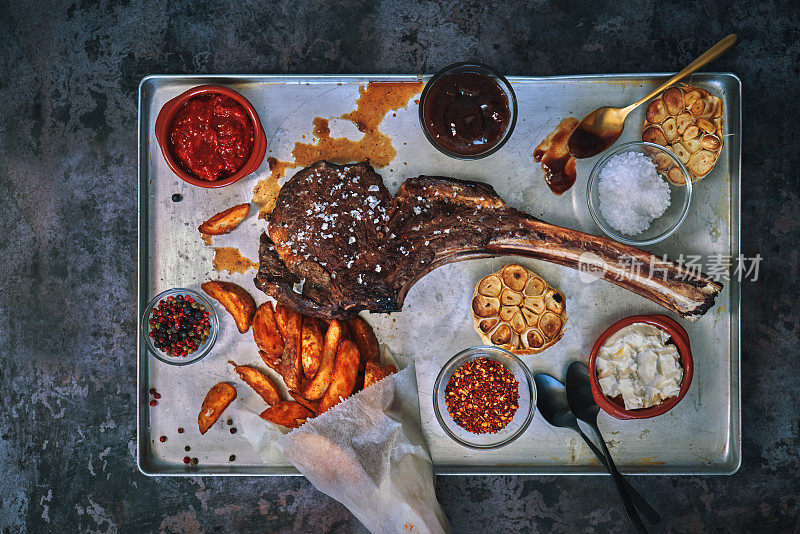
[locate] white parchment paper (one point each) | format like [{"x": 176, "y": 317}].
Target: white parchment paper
[{"x": 368, "y": 453}]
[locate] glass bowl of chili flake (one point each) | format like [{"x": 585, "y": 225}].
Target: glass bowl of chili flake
[
  {"x": 180, "y": 326},
  {"x": 484, "y": 397}
]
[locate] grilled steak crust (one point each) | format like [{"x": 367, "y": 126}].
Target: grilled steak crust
[
  {"x": 336, "y": 231},
  {"x": 329, "y": 229}
]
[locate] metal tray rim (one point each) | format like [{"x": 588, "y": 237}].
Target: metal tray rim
[{"x": 731, "y": 468}]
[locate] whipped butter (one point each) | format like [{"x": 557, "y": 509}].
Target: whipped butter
[{"x": 637, "y": 363}]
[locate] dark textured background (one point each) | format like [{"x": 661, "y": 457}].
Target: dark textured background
[{"x": 68, "y": 86}]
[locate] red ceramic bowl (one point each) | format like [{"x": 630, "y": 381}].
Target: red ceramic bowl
[
  {"x": 616, "y": 406},
  {"x": 164, "y": 122}
]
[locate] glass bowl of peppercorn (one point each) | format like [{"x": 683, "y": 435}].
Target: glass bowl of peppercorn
[
  {"x": 484, "y": 397},
  {"x": 180, "y": 326}
]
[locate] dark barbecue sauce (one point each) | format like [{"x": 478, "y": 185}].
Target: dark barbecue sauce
[
  {"x": 557, "y": 163},
  {"x": 585, "y": 144},
  {"x": 466, "y": 113}
]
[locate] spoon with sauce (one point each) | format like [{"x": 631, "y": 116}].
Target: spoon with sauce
[
  {"x": 602, "y": 127},
  {"x": 582, "y": 404},
  {"x": 552, "y": 403}
]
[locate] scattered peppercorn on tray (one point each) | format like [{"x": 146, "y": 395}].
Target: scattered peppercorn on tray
[{"x": 699, "y": 436}]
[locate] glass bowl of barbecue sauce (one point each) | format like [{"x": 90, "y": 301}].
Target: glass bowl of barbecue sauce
[{"x": 468, "y": 110}]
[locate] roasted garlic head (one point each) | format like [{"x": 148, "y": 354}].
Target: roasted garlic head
[
  {"x": 517, "y": 310},
  {"x": 687, "y": 120}
]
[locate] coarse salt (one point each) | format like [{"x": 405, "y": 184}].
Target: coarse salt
[{"x": 632, "y": 194}]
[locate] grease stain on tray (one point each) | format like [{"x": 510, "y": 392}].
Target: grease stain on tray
[
  {"x": 375, "y": 146},
  {"x": 375, "y": 100},
  {"x": 231, "y": 260},
  {"x": 572, "y": 450},
  {"x": 266, "y": 191},
  {"x": 379, "y": 98},
  {"x": 650, "y": 460}
]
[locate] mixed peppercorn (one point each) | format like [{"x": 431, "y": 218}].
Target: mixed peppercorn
[
  {"x": 156, "y": 395},
  {"x": 189, "y": 460},
  {"x": 179, "y": 325},
  {"x": 482, "y": 396}
]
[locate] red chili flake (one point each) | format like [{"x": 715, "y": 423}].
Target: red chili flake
[
  {"x": 194, "y": 461},
  {"x": 482, "y": 396},
  {"x": 186, "y": 459},
  {"x": 156, "y": 395},
  {"x": 153, "y": 403},
  {"x": 180, "y": 430},
  {"x": 152, "y": 391},
  {"x": 233, "y": 430},
  {"x": 232, "y": 457},
  {"x": 162, "y": 439}
]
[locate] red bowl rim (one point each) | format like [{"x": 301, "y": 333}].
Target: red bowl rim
[
  {"x": 167, "y": 114},
  {"x": 614, "y": 406}
]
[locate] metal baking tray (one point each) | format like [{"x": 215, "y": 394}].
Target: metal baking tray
[{"x": 702, "y": 435}]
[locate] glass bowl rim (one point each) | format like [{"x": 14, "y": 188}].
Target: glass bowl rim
[
  {"x": 594, "y": 176},
  {"x": 531, "y": 392},
  {"x": 213, "y": 319},
  {"x": 512, "y": 106}
]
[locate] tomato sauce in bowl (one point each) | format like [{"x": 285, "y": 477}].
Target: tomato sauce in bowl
[{"x": 212, "y": 136}]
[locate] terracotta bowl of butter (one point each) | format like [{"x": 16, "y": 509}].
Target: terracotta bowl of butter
[
  {"x": 615, "y": 406},
  {"x": 163, "y": 126}
]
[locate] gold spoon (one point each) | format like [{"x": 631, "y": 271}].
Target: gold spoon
[{"x": 602, "y": 127}]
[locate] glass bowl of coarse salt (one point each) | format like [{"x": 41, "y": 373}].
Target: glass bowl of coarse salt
[{"x": 630, "y": 201}]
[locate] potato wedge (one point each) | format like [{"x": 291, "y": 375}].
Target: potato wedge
[
  {"x": 235, "y": 299},
  {"x": 283, "y": 316},
  {"x": 316, "y": 388},
  {"x": 226, "y": 221},
  {"x": 290, "y": 324},
  {"x": 366, "y": 341},
  {"x": 312, "y": 405},
  {"x": 259, "y": 382},
  {"x": 272, "y": 361},
  {"x": 311, "y": 346},
  {"x": 265, "y": 330},
  {"x": 345, "y": 372},
  {"x": 287, "y": 413},
  {"x": 374, "y": 372},
  {"x": 217, "y": 399}
]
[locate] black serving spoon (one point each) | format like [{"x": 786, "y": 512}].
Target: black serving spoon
[
  {"x": 582, "y": 404},
  {"x": 551, "y": 402}
]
